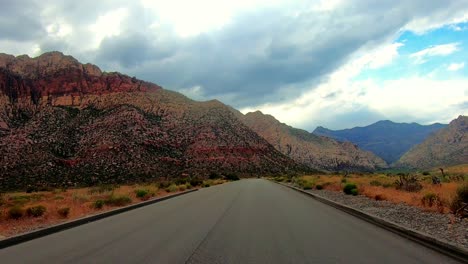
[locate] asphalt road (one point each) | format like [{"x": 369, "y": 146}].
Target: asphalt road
[{"x": 250, "y": 221}]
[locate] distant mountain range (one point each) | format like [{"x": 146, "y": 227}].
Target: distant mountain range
[
  {"x": 386, "y": 139},
  {"x": 448, "y": 146},
  {"x": 311, "y": 150}
]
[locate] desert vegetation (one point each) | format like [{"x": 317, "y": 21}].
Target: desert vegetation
[
  {"x": 431, "y": 190},
  {"x": 30, "y": 209}
]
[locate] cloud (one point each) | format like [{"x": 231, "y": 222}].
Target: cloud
[
  {"x": 437, "y": 50},
  {"x": 250, "y": 54},
  {"x": 456, "y": 66}
]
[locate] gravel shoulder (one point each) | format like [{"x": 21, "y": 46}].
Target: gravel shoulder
[{"x": 441, "y": 226}]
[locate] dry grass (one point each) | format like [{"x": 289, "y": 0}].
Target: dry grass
[
  {"x": 380, "y": 187},
  {"x": 79, "y": 201}
]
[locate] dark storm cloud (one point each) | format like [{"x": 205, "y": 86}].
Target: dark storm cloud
[{"x": 19, "y": 21}]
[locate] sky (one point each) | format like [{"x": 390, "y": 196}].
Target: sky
[{"x": 331, "y": 63}]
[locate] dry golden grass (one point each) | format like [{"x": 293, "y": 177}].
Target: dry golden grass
[
  {"x": 380, "y": 187},
  {"x": 80, "y": 201}
]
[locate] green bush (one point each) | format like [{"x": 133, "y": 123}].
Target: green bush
[
  {"x": 142, "y": 193},
  {"x": 118, "y": 200},
  {"x": 189, "y": 186},
  {"x": 15, "y": 212},
  {"x": 36, "y": 211},
  {"x": 206, "y": 184},
  {"x": 196, "y": 182},
  {"x": 98, "y": 204},
  {"x": 64, "y": 212},
  {"x": 375, "y": 183},
  {"x": 348, "y": 188},
  {"x": 171, "y": 188},
  {"x": 354, "y": 192},
  {"x": 232, "y": 177},
  {"x": 182, "y": 187},
  {"x": 319, "y": 187},
  {"x": 307, "y": 185}
]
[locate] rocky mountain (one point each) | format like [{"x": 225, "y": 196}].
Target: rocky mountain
[
  {"x": 386, "y": 139},
  {"x": 449, "y": 146},
  {"x": 63, "y": 123},
  {"x": 309, "y": 149}
]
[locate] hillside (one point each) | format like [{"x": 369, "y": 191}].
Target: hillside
[
  {"x": 447, "y": 147},
  {"x": 63, "y": 123},
  {"x": 309, "y": 149},
  {"x": 386, "y": 139}
]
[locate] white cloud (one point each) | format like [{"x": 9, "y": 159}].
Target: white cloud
[
  {"x": 456, "y": 66},
  {"x": 436, "y": 50},
  {"x": 108, "y": 25}
]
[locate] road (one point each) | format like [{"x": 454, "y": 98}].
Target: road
[{"x": 249, "y": 221}]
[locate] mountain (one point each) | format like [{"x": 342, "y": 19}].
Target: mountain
[
  {"x": 449, "y": 146},
  {"x": 63, "y": 123},
  {"x": 386, "y": 139},
  {"x": 309, "y": 149}
]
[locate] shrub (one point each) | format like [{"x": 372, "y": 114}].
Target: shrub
[
  {"x": 387, "y": 185},
  {"x": 461, "y": 197},
  {"x": 196, "y": 182},
  {"x": 98, "y": 204},
  {"x": 407, "y": 182},
  {"x": 64, "y": 212},
  {"x": 425, "y": 173},
  {"x": 143, "y": 194},
  {"x": 307, "y": 185},
  {"x": 344, "y": 180},
  {"x": 182, "y": 187},
  {"x": 171, "y": 188},
  {"x": 214, "y": 175},
  {"x": 375, "y": 183},
  {"x": 379, "y": 197},
  {"x": 232, "y": 177},
  {"x": 354, "y": 192},
  {"x": 319, "y": 187},
  {"x": 430, "y": 199},
  {"x": 206, "y": 184},
  {"x": 348, "y": 188},
  {"x": 36, "y": 211},
  {"x": 188, "y": 185},
  {"x": 16, "y": 212},
  {"x": 118, "y": 200}
]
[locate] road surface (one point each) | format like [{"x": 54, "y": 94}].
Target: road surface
[{"x": 249, "y": 221}]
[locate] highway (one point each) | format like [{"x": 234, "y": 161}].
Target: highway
[{"x": 249, "y": 221}]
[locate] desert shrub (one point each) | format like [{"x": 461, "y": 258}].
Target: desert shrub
[
  {"x": 430, "y": 199},
  {"x": 354, "y": 192},
  {"x": 319, "y": 187},
  {"x": 375, "y": 183},
  {"x": 142, "y": 194},
  {"x": 81, "y": 198},
  {"x": 36, "y": 211},
  {"x": 349, "y": 187},
  {"x": 214, "y": 175},
  {"x": 307, "y": 185},
  {"x": 171, "y": 188},
  {"x": 64, "y": 211},
  {"x": 407, "y": 182},
  {"x": 387, "y": 185},
  {"x": 98, "y": 204},
  {"x": 164, "y": 184},
  {"x": 206, "y": 184},
  {"x": 189, "y": 186},
  {"x": 118, "y": 200},
  {"x": 461, "y": 197},
  {"x": 379, "y": 197},
  {"x": 182, "y": 187},
  {"x": 425, "y": 173},
  {"x": 232, "y": 177},
  {"x": 196, "y": 182},
  {"x": 15, "y": 212},
  {"x": 344, "y": 180}
]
